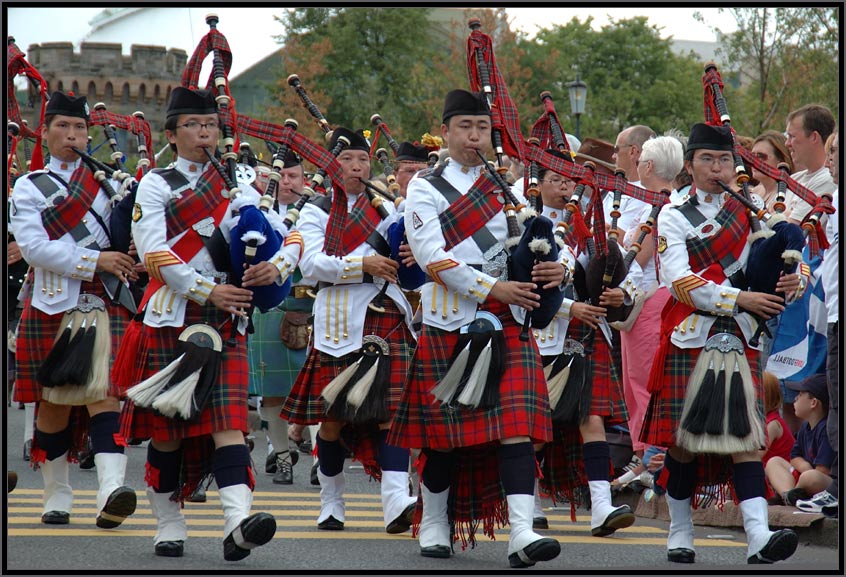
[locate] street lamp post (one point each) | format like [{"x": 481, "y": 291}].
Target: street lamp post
[{"x": 578, "y": 96}]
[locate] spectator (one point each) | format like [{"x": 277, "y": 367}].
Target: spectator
[{"x": 808, "y": 471}]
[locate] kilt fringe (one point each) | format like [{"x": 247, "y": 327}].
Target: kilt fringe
[
  {"x": 715, "y": 420},
  {"x": 76, "y": 371}
]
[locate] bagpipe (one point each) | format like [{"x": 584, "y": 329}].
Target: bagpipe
[
  {"x": 773, "y": 251},
  {"x": 16, "y": 63}
]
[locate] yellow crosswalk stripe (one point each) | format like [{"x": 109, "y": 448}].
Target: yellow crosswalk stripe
[{"x": 296, "y": 518}]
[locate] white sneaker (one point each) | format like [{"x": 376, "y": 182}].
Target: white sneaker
[{"x": 816, "y": 503}]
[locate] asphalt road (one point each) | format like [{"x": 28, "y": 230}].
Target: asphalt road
[{"x": 299, "y": 547}]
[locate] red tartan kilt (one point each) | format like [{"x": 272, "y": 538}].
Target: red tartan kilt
[
  {"x": 227, "y": 407},
  {"x": 304, "y": 404},
  {"x": 607, "y": 398},
  {"x": 663, "y": 414},
  {"x": 523, "y": 409},
  {"x": 37, "y": 331}
]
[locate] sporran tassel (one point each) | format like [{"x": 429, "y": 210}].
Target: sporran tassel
[
  {"x": 80, "y": 375},
  {"x": 366, "y": 400},
  {"x": 448, "y": 385}
]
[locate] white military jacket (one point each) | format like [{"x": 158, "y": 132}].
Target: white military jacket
[
  {"x": 59, "y": 265},
  {"x": 687, "y": 285},
  {"x": 340, "y": 310},
  {"x": 451, "y": 299},
  {"x": 190, "y": 277}
]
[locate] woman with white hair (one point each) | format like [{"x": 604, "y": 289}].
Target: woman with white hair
[{"x": 660, "y": 161}]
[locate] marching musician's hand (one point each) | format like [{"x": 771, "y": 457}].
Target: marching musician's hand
[
  {"x": 406, "y": 255},
  {"x": 13, "y": 253},
  {"x": 764, "y": 305},
  {"x": 380, "y": 266},
  {"x": 259, "y": 274},
  {"x": 588, "y": 314},
  {"x": 231, "y": 299},
  {"x": 550, "y": 271},
  {"x": 516, "y": 293},
  {"x": 789, "y": 285},
  {"x": 119, "y": 264},
  {"x": 612, "y": 297}
]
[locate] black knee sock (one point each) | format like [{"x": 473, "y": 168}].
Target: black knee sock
[
  {"x": 104, "y": 427},
  {"x": 391, "y": 457},
  {"x": 163, "y": 469},
  {"x": 53, "y": 444},
  {"x": 749, "y": 480},
  {"x": 517, "y": 468},
  {"x": 597, "y": 459},
  {"x": 232, "y": 466},
  {"x": 438, "y": 470},
  {"x": 330, "y": 456},
  {"x": 681, "y": 477}
]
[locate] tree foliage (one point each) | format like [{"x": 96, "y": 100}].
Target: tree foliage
[
  {"x": 400, "y": 62},
  {"x": 780, "y": 59},
  {"x": 633, "y": 76}
]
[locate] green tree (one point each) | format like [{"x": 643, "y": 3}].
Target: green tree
[
  {"x": 778, "y": 60},
  {"x": 632, "y": 74}
]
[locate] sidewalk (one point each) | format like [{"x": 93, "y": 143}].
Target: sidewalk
[{"x": 813, "y": 528}]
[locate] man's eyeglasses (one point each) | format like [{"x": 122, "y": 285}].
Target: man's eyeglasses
[
  {"x": 724, "y": 161},
  {"x": 617, "y": 148},
  {"x": 193, "y": 125}
]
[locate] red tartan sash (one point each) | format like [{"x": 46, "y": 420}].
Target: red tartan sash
[
  {"x": 360, "y": 223},
  {"x": 734, "y": 228},
  {"x": 195, "y": 204},
  {"x": 58, "y": 220},
  {"x": 472, "y": 211}
]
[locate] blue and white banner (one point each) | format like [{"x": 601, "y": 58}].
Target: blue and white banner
[{"x": 799, "y": 345}]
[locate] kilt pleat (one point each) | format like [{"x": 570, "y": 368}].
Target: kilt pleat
[
  {"x": 37, "y": 331},
  {"x": 523, "y": 408},
  {"x": 304, "y": 404},
  {"x": 663, "y": 414}
]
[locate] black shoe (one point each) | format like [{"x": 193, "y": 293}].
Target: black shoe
[
  {"x": 170, "y": 549},
  {"x": 331, "y": 524},
  {"x": 27, "y": 450},
  {"x": 285, "y": 462},
  {"x": 86, "y": 460},
  {"x": 436, "y": 551},
  {"x": 402, "y": 523},
  {"x": 254, "y": 531},
  {"x": 270, "y": 463},
  {"x": 55, "y": 518},
  {"x": 120, "y": 505},
  {"x": 314, "y": 479},
  {"x": 795, "y": 494},
  {"x": 618, "y": 519},
  {"x": 781, "y": 545},
  {"x": 541, "y": 550},
  {"x": 540, "y": 523},
  {"x": 11, "y": 481},
  {"x": 681, "y": 555},
  {"x": 199, "y": 495},
  {"x": 305, "y": 447}
]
